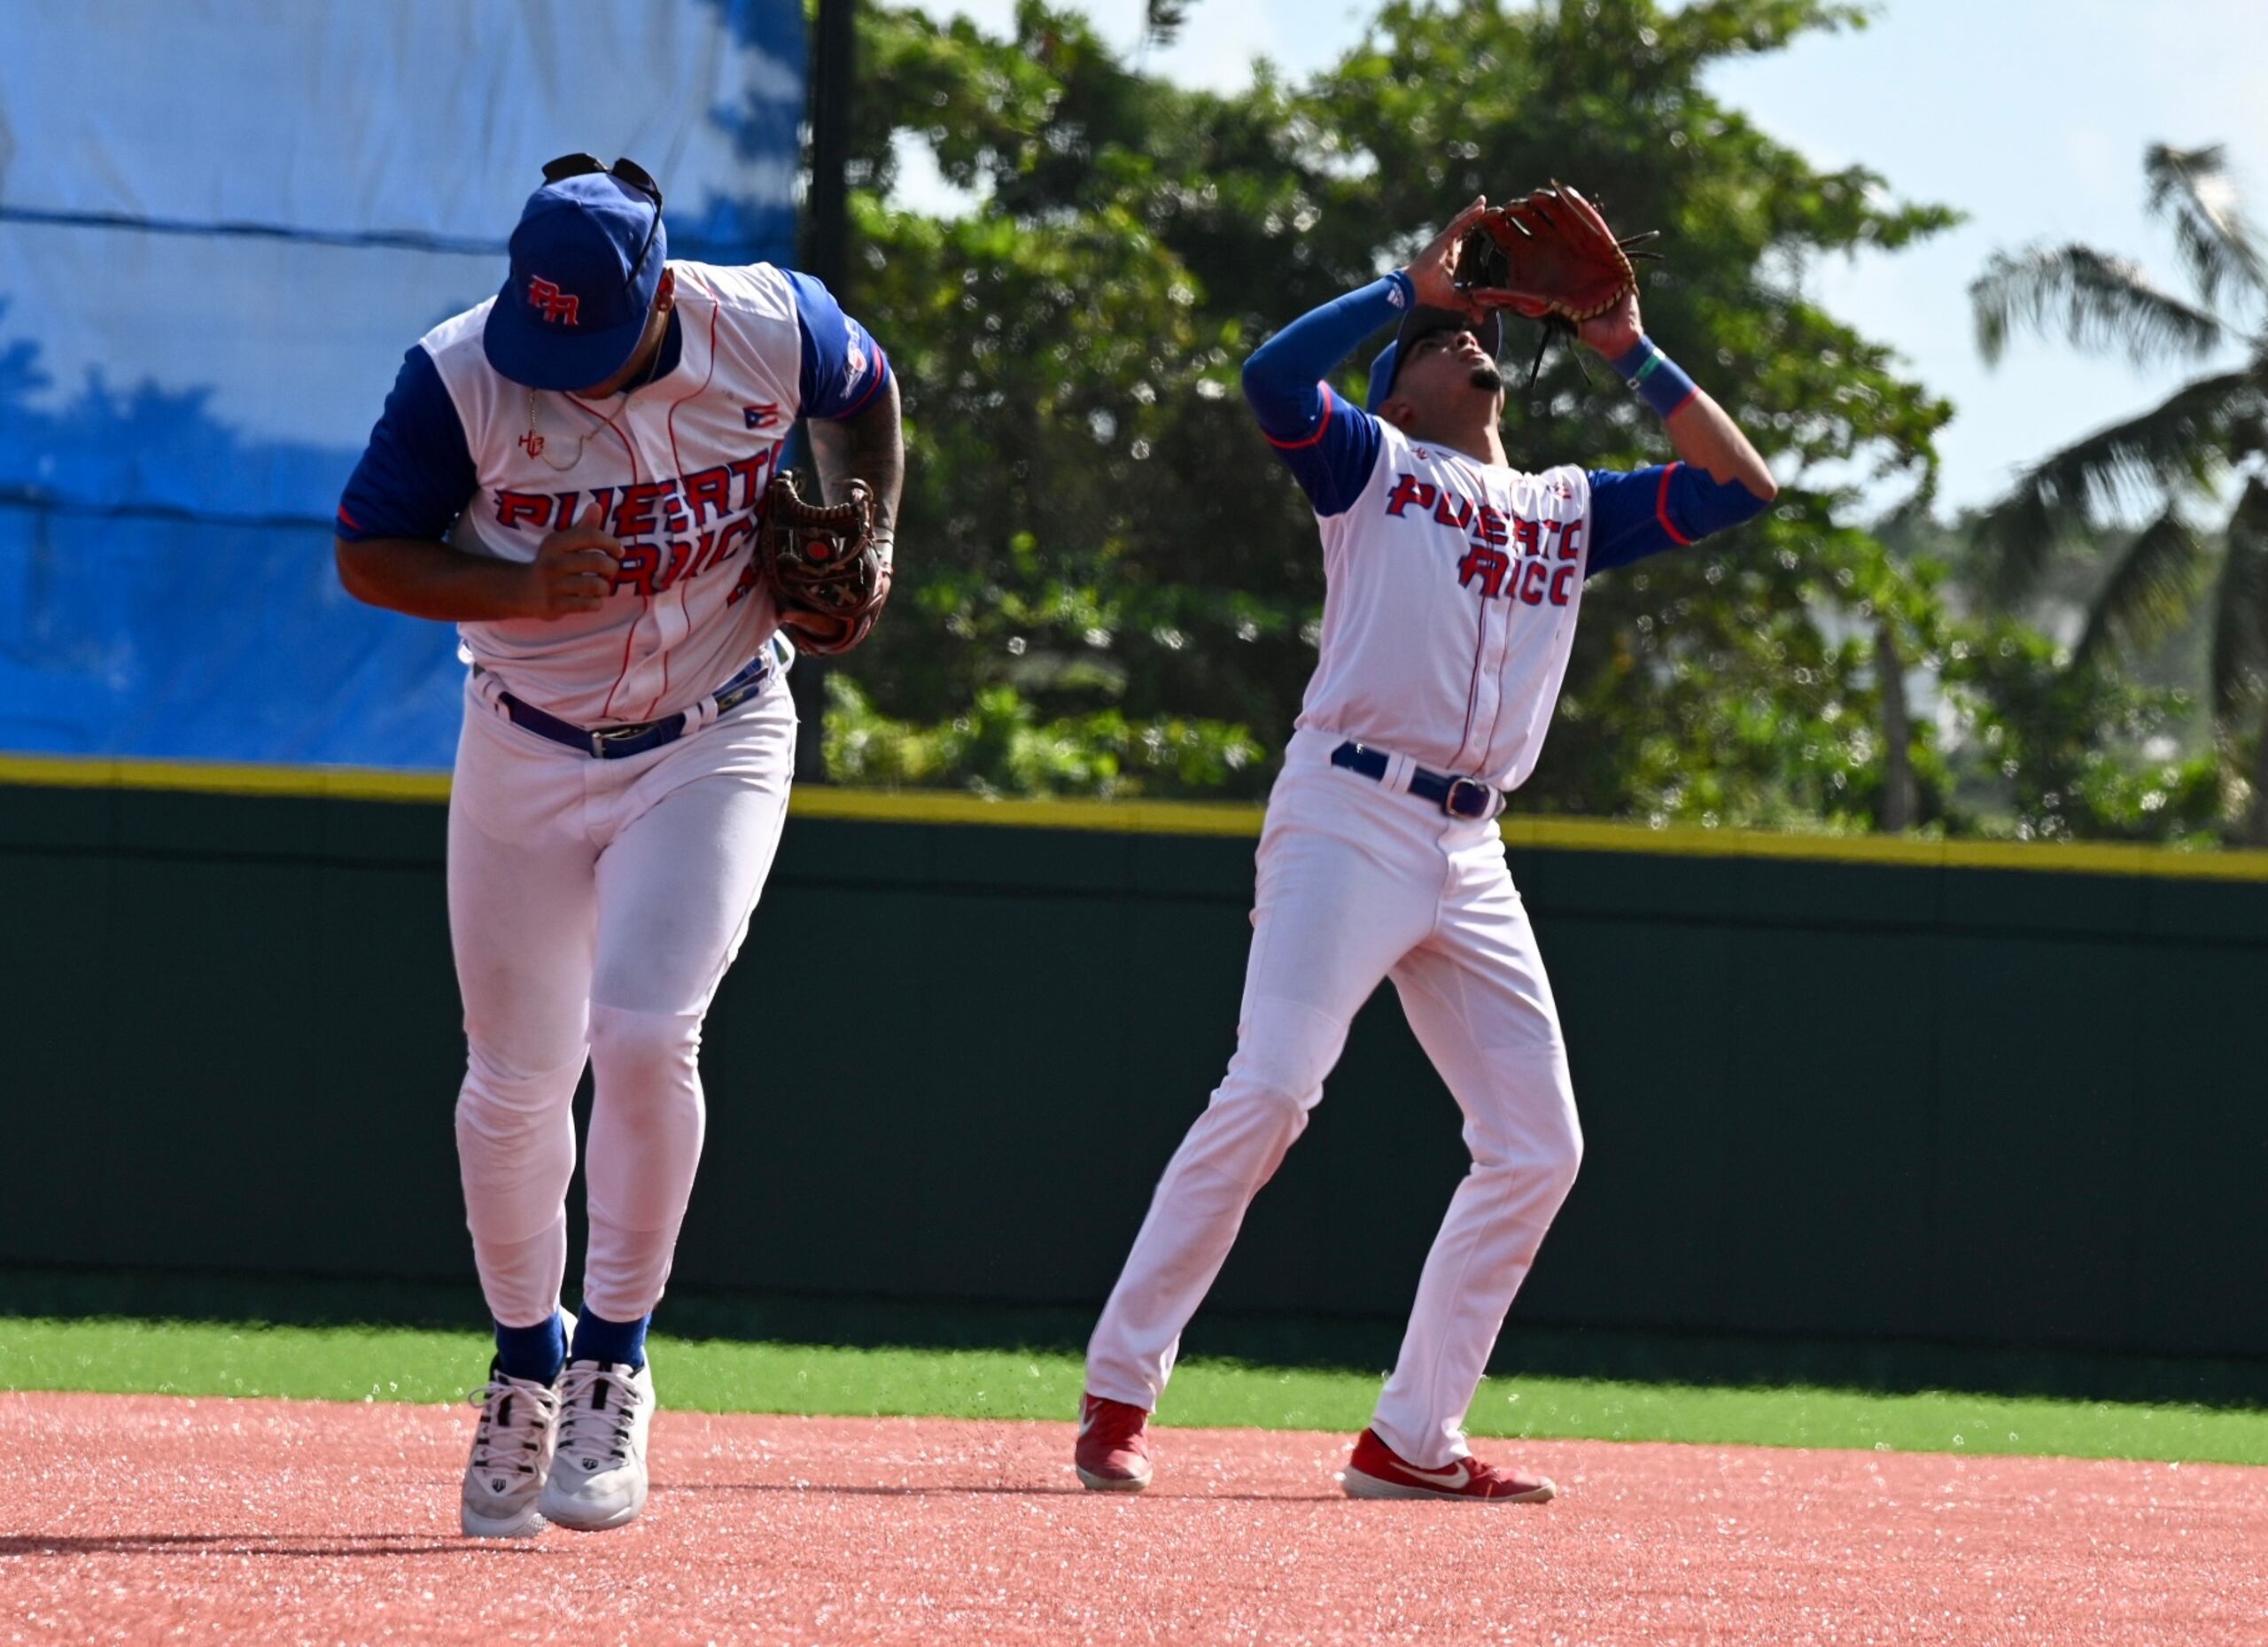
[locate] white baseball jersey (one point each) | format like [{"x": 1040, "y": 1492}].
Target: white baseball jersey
[
  {"x": 1452, "y": 587},
  {"x": 599, "y": 890},
  {"x": 1452, "y": 584},
  {"x": 678, "y": 465},
  {"x": 1451, "y": 590}
]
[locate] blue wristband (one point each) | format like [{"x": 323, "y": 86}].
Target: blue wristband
[{"x": 1660, "y": 382}]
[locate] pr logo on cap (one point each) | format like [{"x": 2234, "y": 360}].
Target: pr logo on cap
[
  {"x": 557, "y": 305},
  {"x": 588, "y": 258}
]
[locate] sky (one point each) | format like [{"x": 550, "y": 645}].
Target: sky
[{"x": 2031, "y": 116}]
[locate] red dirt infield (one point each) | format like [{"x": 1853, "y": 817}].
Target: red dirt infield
[{"x": 149, "y": 1519}]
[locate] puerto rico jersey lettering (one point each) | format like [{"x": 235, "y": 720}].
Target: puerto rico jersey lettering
[
  {"x": 1451, "y": 593},
  {"x": 1452, "y": 586},
  {"x": 679, "y": 467}
]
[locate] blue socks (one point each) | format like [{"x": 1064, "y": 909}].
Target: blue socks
[
  {"x": 535, "y": 1353},
  {"x": 610, "y": 1342},
  {"x": 538, "y": 1353}
]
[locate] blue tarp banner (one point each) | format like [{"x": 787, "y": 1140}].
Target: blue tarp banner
[{"x": 220, "y": 225}]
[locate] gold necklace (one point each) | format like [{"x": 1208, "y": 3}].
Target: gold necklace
[{"x": 534, "y": 441}]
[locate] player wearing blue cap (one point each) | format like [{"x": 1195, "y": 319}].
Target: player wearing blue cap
[
  {"x": 571, "y": 473},
  {"x": 1452, "y": 584}
]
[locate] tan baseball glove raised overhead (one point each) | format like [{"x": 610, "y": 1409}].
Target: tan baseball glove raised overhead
[{"x": 1551, "y": 256}]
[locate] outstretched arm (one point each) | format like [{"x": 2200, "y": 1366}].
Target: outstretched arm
[
  {"x": 1284, "y": 377},
  {"x": 1720, "y": 481},
  {"x": 1330, "y": 445},
  {"x": 1701, "y": 433}
]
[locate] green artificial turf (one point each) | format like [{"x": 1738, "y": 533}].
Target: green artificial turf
[{"x": 365, "y": 1363}]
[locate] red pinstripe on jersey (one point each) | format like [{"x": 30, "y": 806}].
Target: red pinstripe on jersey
[
  {"x": 684, "y": 588},
  {"x": 591, "y": 672},
  {"x": 635, "y": 477}
]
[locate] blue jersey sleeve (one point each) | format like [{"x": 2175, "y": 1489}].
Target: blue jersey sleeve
[
  {"x": 843, "y": 369},
  {"x": 1332, "y": 460},
  {"x": 1329, "y": 444},
  {"x": 1647, "y": 510},
  {"x": 416, "y": 475}
]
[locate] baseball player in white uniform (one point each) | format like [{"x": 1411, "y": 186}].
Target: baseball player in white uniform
[
  {"x": 571, "y": 473},
  {"x": 1453, "y": 580}
]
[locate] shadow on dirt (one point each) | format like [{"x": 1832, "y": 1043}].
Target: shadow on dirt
[{"x": 261, "y": 1544}]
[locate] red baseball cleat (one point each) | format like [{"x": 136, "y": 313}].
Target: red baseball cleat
[
  {"x": 1377, "y": 1471},
  {"x": 1114, "y": 1451}
]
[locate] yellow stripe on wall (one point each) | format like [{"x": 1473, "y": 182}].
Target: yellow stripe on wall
[
  {"x": 2083, "y": 856},
  {"x": 950, "y": 807},
  {"x": 1189, "y": 818},
  {"x": 345, "y": 783}
]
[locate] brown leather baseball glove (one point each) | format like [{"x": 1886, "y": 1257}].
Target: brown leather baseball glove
[
  {"x": 830, "y": 569},
  {"x": 1550, "y": 255}
]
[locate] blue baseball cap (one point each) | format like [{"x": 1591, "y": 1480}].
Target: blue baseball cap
[
  {"x": 1422, "y": 322},
  {"x": 586, "y": 260}
]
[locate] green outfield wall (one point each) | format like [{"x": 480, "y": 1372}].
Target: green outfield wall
[{"x": 1897, "y": 1090}]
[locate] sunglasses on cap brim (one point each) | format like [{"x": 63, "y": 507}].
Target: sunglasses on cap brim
[{"x": 630, "y": 172}]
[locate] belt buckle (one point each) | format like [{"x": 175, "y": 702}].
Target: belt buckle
[
  {"x": 601, "y": 736},
  {"x": 1459, "y": 786}
]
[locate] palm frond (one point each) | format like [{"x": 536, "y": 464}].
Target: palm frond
[
  {"x": 2150, "y": 586},
  {"x": 2239, "y": 662},
  {"x": 2017, "y": 536},
  {"x": 2249, "y": 435},
  {"x": 1162, "y": 21},
  {"x": 2174, "y": 446},
  {"x": 2192, "y": 189},
  {"x": 2097, "y": 300}
]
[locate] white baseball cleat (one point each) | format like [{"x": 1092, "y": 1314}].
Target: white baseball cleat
[
  {"x": 511, "y": 1457},
  {"x": 598, "y": 1473}
]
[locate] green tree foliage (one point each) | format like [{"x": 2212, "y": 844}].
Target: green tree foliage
[
  {"x": 2059, "y": 747},
  {"x": 2195, "y": 466},
  {"x": 1107, "y": 586}
]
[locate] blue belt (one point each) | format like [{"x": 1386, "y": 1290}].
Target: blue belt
[
  {"x": 1459, "y": 797},
  {"x": 615, "y": 742}
]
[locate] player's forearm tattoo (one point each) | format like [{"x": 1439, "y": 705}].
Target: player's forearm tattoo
[{"x": 870, "y": 447}]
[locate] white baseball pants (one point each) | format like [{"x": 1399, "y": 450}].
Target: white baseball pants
[
  {"x": 1360, "y": 881},
  {"x": 593, "y": 908}
]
